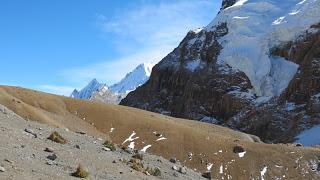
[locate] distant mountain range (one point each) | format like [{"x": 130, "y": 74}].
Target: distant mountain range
[{"x": 97, "y": 91}]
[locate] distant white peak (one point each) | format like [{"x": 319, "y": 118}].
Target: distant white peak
[
  {"x": 74, "y": 93},
  {"x": 133, "y": 79},
  {"x": 197, "y": 30},
  {"x": 87, "y": 91}
]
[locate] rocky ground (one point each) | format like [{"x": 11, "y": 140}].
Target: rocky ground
[
  {"x": 23, "y": 155},
  {"x": 226, "y": 153}
]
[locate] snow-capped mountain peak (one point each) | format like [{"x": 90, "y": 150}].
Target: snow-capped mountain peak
[
  {"x": 87, "y": 91},
  {"x": 134, "y": 79}
]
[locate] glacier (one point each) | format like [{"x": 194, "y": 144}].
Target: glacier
[{"x": 255, "y": 27}]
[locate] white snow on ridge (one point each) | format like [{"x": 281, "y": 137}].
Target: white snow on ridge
[
  {"x": 133, "y": 79},
  {"x": 310, "y": 137},
  {"x": 270, "y": 23},
  {"x": 87, "y": 91}
]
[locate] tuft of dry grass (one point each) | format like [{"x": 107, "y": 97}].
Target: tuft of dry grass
[
  {"x": 153, "y": 171},
  {"x": 80, "y": 172},
  {"x": 110, "y": 145},
  {"x": 56, "y": 137},
  {"x": 138, "y": 156},
  {"x": 137, "y": 165}
]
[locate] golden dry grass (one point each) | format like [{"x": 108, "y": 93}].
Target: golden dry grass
[{"x": 207, "y": 143}]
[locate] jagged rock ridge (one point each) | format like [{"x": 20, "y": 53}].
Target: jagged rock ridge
[{"x": 227, "y": 73}]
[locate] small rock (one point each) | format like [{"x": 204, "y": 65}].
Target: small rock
[
  {"x": 23, "y": 146},
  {"x": 77, "y": 146},
  {"x": 175, "y": 168},
  {"x": 114, "y": 161},
  {"x": 173, "y": 160},
  {"x": 238, "y": 149},
  {"x": 207, "y": 175},
  {"x": 183, "y": 170},
  {"x": 52, "y": 157},
  {"x": 159, "y": 160},
  {"x": 49, "y": 149},
  {"x": 106, "y": 149},
  {"x": 147, "y": 173},
  {"x": 121, "y": 159},
  {"x": 121, "y": 172},
  {"x": 9, "y": 161},
  {"x": 81, "y": 132},
  {"x": 175, "y": 174},
  {"x": 129, "y": 150},
  {"x": 50, "y": 163},
  {"x": 299, "y": 145},
  {"x": 30, "y": 131},
  {"x": 2, "y": 169}
]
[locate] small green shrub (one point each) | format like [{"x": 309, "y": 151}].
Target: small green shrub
[
  {"x": 110, "y": 145},
  {"x": 136, "y": 165},
  {"x": 56, "y": 137},
  {"x": 154, "y": 172}
]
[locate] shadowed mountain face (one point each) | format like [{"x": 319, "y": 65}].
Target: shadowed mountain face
[
  {"x": 195, "y": 144},
  {"x": 224, "y": 74}
]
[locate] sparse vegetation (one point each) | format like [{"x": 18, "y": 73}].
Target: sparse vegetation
[
  {"x": 56, "y": 137},
  {"x": 137, "y": 166},
  {"x": 138, "y": 156},
  {"x": 153, "y": 171},
  {"x": 80, "y": 172},
  {"x": 110, "y": 145}
]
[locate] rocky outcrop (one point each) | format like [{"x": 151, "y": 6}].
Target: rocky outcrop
[
  {"x": 189, "y": 82},
  {"x": 227, "y": 3},
  {"x": 192, "y": 83},
  {"x": 298, "y": 107}
]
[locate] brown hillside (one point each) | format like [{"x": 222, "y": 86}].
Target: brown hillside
[{"x": 207, "y": 143}]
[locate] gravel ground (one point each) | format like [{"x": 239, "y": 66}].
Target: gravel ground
[{"x": 23, "y": 155}]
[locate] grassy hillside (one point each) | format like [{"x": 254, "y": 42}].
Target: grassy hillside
[{"x": 193, "y": 143}]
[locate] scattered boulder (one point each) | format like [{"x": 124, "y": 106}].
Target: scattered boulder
[
  {"x": 49, "y": 149},
  {"x": 9, "y": 161},
  {"x": 238, "y": 149},
  {"x": 77, "y": 146},
  {"x": 30, "y": 131},
  {"x": 183, "y": 170},
  {"x": 52, "y": 157},
  {"x": 2, "y": 169},
  {"x": 207, "y": 175},
  {"x": 175, "y": 168},
  {"x": 81, "y": 132},
  {"x": 175, "y": 174},
  {"x": 56, "y": 137},
  {"x": 106, "y": 149},
  {"x": 299, "y": 145},
  {"x": 80, "y": 172},
  {"x": 173, "y": 160}
]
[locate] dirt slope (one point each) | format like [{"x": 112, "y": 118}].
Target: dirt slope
[
  {"x": 23, "y": 157},
  {"x": 193, "y": 143}
]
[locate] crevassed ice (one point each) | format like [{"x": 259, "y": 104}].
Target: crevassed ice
[{"x": 270, "y": 23}]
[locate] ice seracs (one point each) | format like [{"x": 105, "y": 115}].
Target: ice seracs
[{"x": 257, "y": 26}]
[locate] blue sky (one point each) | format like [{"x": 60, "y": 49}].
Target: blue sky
[{"x": 58, "y": 45}]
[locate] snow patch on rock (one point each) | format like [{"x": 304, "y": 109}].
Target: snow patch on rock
[{"x": 268, "y": 24}]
